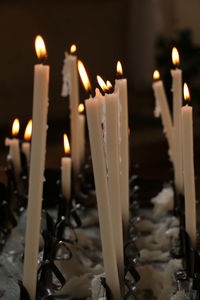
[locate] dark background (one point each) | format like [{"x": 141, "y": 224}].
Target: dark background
[{"x": 138, "y": 32}]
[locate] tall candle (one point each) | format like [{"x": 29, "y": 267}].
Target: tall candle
[
  {"x": 81, "y": 122},
  {"x": 26, "y": 143},
  {"x": 37, "y": 164},
  {"x": 113, "y": 167},
  {"x": 71, "y": 87},
  {"x": 66, "y": 170},
  {"x": 121, "y": 87},
  {"x": 101, "y": 184},
  {"x": 188, "y": 169},
  {"x": 161, "y": 98},
  {"x": 177, "y": 104}
]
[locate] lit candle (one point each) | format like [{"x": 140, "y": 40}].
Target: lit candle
[
  {"x": 121, "y": 87},
  {"x": 66, "y": 170},
  {"x": 177, "y": 104},
  {"x": 26, "y": 143},
  {"x": 37, "y": 165},
  {"x": 188, "y": 168},
  {"x": 102, "y": 193},
  {"x": 71, "y": 88},
  {"x": 161, "y": 98},
  {"x": 113, "y": 166},
  {"x": 14, "y": 148},
  {"x": 81, "y": 122}
]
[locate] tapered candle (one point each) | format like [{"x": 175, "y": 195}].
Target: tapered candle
[
  {"x": 188, "y": 168},
  {"x": 26, "y": 143},
  {"x": 113, "y": 167},
  {"x": 177, "y": 104},
  {"x": 102, "y": 193},
  {"x": 161, "y": 98},
  {"x": 37, "y": 164},
  {"x": 121, "y": 87},
  {"x": 66, "y": 170},
  {"x": 71, "y": 88},
  {"x": 81, "y": 122}
]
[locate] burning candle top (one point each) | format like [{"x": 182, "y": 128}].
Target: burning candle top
[
  {"x": 156, "y": 75},
  {"x": 84, "y": 77},
  {"x": 28, "y": 131},
  {"x": 81, "y": 108},
  {"x": 175, "y": 57},
  {"x": 66, "y": 144},
  {"x": 186, "y": 94},
  {"x": 73, "y": 49},
  {"x": 40, "y": 48},
  {"x": 15, "y": 127}
]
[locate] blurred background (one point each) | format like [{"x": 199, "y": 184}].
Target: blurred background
[{"x": 140, "y": 33}]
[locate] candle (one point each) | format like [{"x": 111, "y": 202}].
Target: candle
[
  {"x": 177, "y": 104},
  {"x": 102, "y": 193},
  {"x": 113, "y": 167},
  {"x": 188, "y": 168},
  {"x": 14, "y": 148},
  {"x": 81, "y": 122},
  {"x": 26, "y": 143},
  {"x": 121, "y": 87},
  {"x": 66, "y": 170},
  {"x": 161, "y": 99},
  {"x": 71, "y": 88},
  {"x": 37, "y": 164}
]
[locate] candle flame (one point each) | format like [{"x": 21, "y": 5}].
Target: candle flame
[
  {"x": 81, "y": 108},
  {"x": 28, "y": 131},
  {"x": 175, "y": 57},
  {"x": 40, "y": 47},
  {"x": 84, "y": 77},
  {"x": 119, "y": 68},
  {"x": 186, "y": 92},
  {"x": 156, "y": 75},
  {"x": 102, "y": 83},
  {"x": 66, "y": 144},
  {"x": 109, "y": 85},
  {"x": 73, "y": 49},
  {"x": 15, "y": 127}
]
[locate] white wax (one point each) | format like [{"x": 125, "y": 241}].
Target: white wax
[
  {"x": 66, "y": 177},
  {"x": 37, "y": 164},
  {"x": 26, "y": 151},
  {"x": 113, "y": 165},
  {"x": 160, "y": 96},
  {"x": 102, "y": 193},
  {"x": 14, "y": 152},
  {"x": 121, "y": 87},
  {"x": 177, "y": 144},
  {"x": 188, "y": 172},
  {"x": 81, "y": 134}
]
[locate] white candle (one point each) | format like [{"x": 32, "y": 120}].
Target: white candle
[
  {"x": 37, "y": 164},
  {"x": 188, "y": 169},
  {"x": 71, "y": 87},
  {"x": 177, "y": 104},
  {"x": 161, "y": 98},
  {"x": 66, "y": 170},
  {"x": 121, "y": 87},
  {"x": 14, "y": 148},
  {"x": 81, "y": 122},
  {"x": 26, "y": 143}
]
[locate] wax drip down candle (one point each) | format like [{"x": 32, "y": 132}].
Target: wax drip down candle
[
  {"x": 81, "y": 123},
  {"x": 26, "y": 144},
  {"x": 66, "y": 169},
  {"x": 37, "y": 165},
  {"x": 177, "y": 104},
  {"x": 188, "y": 168},
  {"x": 101, "y": 185},
  {"x": 161, "y": 100}
]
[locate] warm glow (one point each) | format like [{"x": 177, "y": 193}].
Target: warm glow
[
  {"x": 175, "y": 57},
  {"x": 109, "y": 84},
  {"x": 66, "y": 144},
  {"x": 40, "y": 47},
  {"x": 102, "y": 83},
  {"x": 81, "y": 108},
  {"x": 186, "y": 92},
  {"x": 15, "y": 127},
  {"x": 73, "y": 49},
  {"x": 28, "y": 131},
  {"x": 84, "y": 77},
  {"x": 156, "y": 75},
  {"x": 119, "y": 68}
]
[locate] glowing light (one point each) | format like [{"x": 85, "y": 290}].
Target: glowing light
[
  {"x": 66, "y": 144},
  {"x": 15, "y": 127},
  {"x": 40, "y": 47},
  {"x": 28, "y": 131}
]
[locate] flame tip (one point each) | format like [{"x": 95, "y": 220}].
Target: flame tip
[{"x": 40, "y": 47}]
